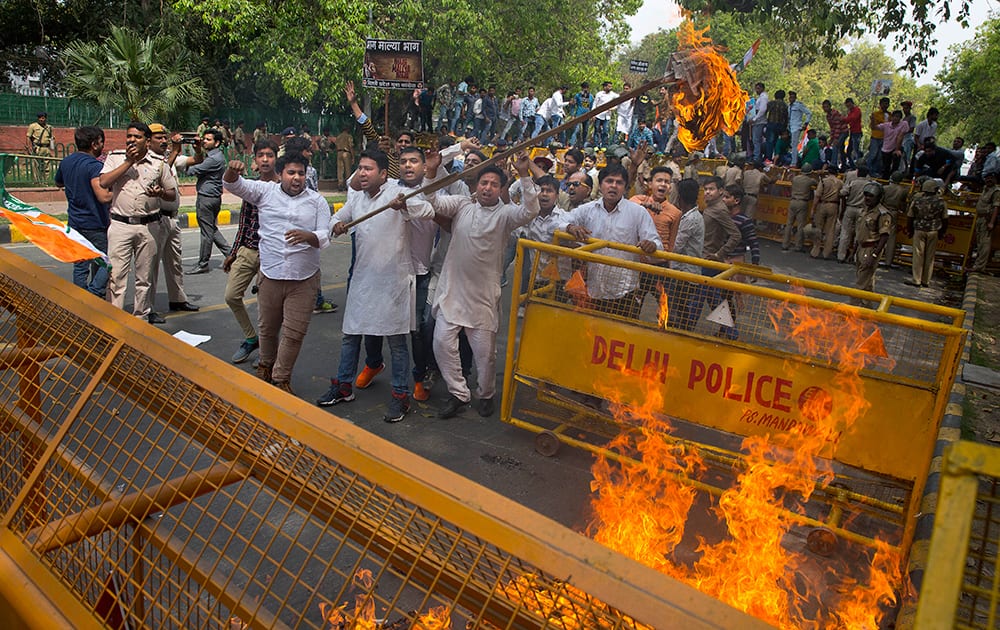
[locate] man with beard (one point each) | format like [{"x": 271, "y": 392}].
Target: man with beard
[
  {"x": 381, "y": 300},
  {"x": 468, "y": 292}
]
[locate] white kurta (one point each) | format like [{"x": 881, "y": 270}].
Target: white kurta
[
  {"x": 468, "y": 292},
  {"x": 625, "y": 117},
  {"x": 382, "y": 297}
]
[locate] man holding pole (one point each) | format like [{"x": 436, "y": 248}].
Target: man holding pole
[{"x": 468, "y": 292}]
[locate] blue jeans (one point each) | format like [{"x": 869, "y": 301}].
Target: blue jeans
[
  {"x": 875, "y": 156},
  {"x": 601, "y": 133},
  {"x": 422, "y": 338},
  {"x": 772, "y": 130},
  {"x": 350, "y": 351},
  {"x": 757, "y": 138},
  {"x": 456, "y": 115},
  {"x": 583, "y": 139},
  {"x": 540, "y": 125},
  {"x": 89, "y": 274},
  {"x": 853, "y": 146}
]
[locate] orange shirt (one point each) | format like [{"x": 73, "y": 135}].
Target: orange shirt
[{"x": 666, "y": 219}]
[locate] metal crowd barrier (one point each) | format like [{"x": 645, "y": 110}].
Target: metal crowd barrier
[
  {"x": 144, "y": 483},
  {"x": 722, "y": 383},
  {"x": 961, "y": 587}
]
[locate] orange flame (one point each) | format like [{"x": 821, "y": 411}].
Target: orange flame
[
  {"x": 434, "y": 619},
  {"x": 642, "y": 502},
  {"x": 363, "y": 615},
  {"x": 663, "y": 312},
  {"x": 707, "y": 97}
]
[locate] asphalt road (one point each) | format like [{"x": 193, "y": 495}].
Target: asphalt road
[{"x": 485, "y": 450}]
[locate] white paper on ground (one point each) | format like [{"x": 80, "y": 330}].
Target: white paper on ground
[{"x": 191, "y": 339}]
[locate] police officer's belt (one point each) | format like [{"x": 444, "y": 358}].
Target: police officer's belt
[{"x": 140, "y": 220}]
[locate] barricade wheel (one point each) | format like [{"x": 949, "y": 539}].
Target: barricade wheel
[
  {"x": 821, "y": 541},
  {"x": 547, "y": 443}
]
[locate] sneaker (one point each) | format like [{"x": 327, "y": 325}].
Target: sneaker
[
  {"x": 284, "y": 386},
  {"x": 398, "y": 406},
  {"x": 451, "y": 408},
  {"x": 325, "y": 307},
  {"x": 264, "y": 372},
  {"x": 420, "y": 392},
  {"x": 486, "y": 407},
  {"x": 245, "y": 350},
  {"x": 367, "y": 376},
  {"x": 338, "y": 393}
]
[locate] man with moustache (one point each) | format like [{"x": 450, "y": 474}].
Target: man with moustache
[
  {"x": 138, "y": 181},
  {"x": 170, "y": 247}
]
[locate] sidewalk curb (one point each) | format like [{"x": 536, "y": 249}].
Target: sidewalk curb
[{"x": 951, "y": 431}]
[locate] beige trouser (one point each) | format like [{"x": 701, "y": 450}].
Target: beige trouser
[
  {"x": 344, "y": 166},
  {"x": 890, "y": 245},
  {"x": 983, "y": 238},
  {"x": 825, "y": 220},
  {"x": 798, "y": 214},
  {"x": 866, "y": 265},
  {"x": 130, "y": 245},
  {"x": 848, "y": 227},
  {"x": 924, "y": 246},
  {"x": 169, "y": 248},
  {"x": 484, "y": 353},
  {"x": 749, "y": 204},
  {"x": 241, "y": 275},
  {"x": 42, "y": 166},
  {"x": 285, "y": 308}
]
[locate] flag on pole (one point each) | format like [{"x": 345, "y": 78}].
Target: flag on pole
[
  {"x": 48, "y": 233},
  {"x": 747, "y": 57},
  {"x": 802, "y": 140}
]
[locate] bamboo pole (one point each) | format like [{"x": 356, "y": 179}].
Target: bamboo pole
[{"x": 521, "y": 146}]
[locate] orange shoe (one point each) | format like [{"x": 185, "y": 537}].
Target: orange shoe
[
  {"x": 367, "y": 376},
  {"x": 420, "y": 392}
]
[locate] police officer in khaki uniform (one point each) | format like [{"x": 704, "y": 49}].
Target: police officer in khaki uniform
[
  {"x": 754, "y": 179},
  {"x": 40, "y": 142},
  {"x": 986, "y": 220},
  {"x": 895, "y": 200},
  {"x": 824, "y": 215},
  {"x": 139, "y": 182},
  {"x": 169, "y": 249},
  {"x": 798, "y": 208},
  {"x": 345, "y": 157},
  {"x": 874, "y": 225},
  {"x": 927, "y": 220}
]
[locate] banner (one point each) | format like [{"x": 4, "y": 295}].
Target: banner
[
  {"x": 393, "y": 64},
  {"x": 48, "y": 233},
  {"x": 638, "y": 66}
]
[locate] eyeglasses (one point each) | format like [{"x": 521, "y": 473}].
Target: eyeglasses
[{"x": 575, "y": 184}]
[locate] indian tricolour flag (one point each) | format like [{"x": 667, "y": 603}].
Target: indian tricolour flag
[
  {"x": 48, "y": 233},
  {"x": 747, "y": 57}
]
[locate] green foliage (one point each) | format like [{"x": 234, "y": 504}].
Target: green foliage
[
  {"x": 821, "y": 26},
  {"x": 147, "y": 77},
  {"x": 513, "y": 43},
  {"x": 969, "y": 97},
  {"x": 781, "y": 65}
]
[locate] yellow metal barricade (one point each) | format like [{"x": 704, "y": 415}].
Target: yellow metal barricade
[
  {"x": 731, "y": 369},
  {"x": 961, "y": 585},
  {"x": 146, "y": 484}
]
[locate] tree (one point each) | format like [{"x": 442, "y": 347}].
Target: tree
[
  {"x": 311, "y": 47},
  {"x": 822, "y": 25},
  {"x": 968, "y": 96},
  {"x": 782, "y": 66},
  {"x": 147, "y": 77}
]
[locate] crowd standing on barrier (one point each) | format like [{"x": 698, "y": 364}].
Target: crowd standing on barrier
[{"x": 435, "y": 292}]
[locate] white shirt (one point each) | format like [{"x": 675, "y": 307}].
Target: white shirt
[
  {"x": 760, "y": 109},
  {"x": 925, "y": 129},
  {"x": 546, "y": 109},
  {"x": 600, "y": 99},
  {"x": 627, "y": 223},
  {"x": 279, "y": 213},
  {"x": 382, "y": 299},
  {"x": 541, "y": 229},
  {"x": 468, "y": 292},
  {"x": 559, "y": 102}
]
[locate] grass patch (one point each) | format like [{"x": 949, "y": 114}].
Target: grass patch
[
  {"x": 970, "y": 417},
  {"x": 986, "y": 327}
]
